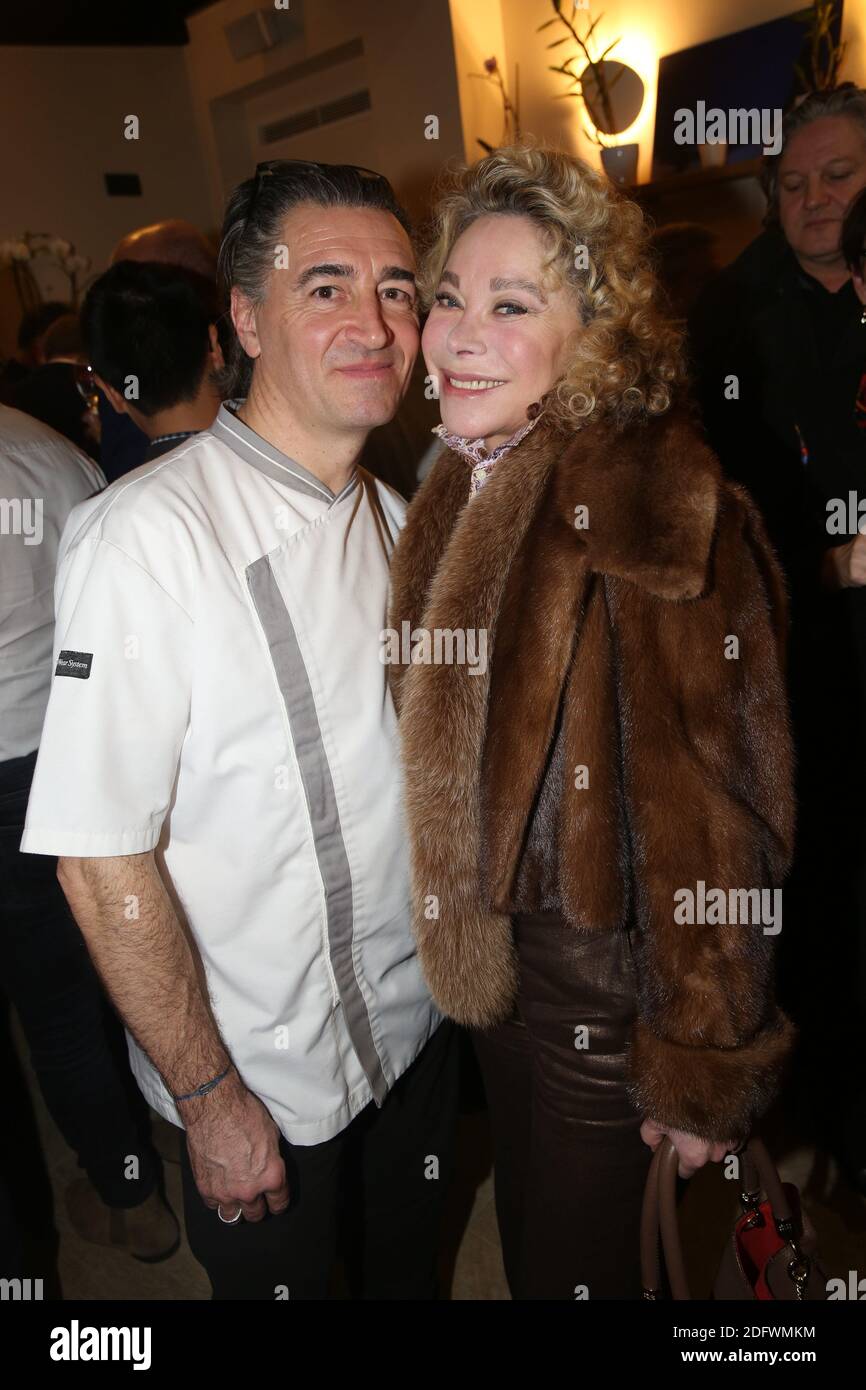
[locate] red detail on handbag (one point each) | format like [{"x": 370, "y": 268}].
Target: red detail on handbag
[{"x": 758, "y": 1243}]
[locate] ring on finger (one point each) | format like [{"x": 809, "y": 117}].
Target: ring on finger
[{"x": 229, "y": 1220}]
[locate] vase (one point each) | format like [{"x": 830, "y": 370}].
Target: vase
[
  {"x": 620, "y": 163},
  {"x": 713, "y": 156}
]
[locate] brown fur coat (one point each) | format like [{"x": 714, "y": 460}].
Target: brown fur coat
[{"x": 622, "y": 622}]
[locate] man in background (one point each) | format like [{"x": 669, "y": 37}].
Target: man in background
[
  {"x": 152, "y": 344},
  {"x": 172, "y": 242},
  {"x": 780, "y": 349},
  {"x": 45, "y": 969}
]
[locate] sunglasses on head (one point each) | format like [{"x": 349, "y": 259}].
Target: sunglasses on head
[{"x": 272, "y": 166}]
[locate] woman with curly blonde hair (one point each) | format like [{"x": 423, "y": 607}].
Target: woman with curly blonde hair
[{"x": 593, "y": 718}]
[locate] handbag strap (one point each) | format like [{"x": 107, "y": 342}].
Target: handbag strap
[
  {"x": 650, "y": 1263},
  {"x": 659, "y": 1213}
]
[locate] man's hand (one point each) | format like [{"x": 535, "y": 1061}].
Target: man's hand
[
  {"x": 234, "y": 1151},
  {"x": 845, "y": 565},
  {"x": 693, "y": 1152}
]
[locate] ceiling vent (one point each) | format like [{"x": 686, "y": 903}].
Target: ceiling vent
[
  {"x": 326, "y": 114},
  {"x": 262, "y": 30}
]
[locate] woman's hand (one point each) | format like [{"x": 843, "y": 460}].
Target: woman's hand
[{"x": 693, "y": 1152}]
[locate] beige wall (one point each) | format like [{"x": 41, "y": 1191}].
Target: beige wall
[
  {"x": 62, "y": 119},
  {"x": 479, "y": 34},
  {"x": 407, "y": 64}
]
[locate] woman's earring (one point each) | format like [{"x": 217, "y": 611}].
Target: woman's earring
[{"x": 863, "y": 315}]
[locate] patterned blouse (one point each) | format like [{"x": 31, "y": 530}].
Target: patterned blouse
[{"x": 473, "y": 449}]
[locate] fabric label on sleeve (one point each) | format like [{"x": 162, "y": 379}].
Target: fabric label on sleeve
[{"x": 74, "y": 664}]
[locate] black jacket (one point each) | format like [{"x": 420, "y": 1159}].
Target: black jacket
[{"x": 798, "y": 353}]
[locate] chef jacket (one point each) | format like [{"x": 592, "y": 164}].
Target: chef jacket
[{"x": 220, "y": 697}]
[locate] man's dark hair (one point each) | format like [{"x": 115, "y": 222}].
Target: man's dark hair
[
  {"x": 853, "y": 240},
  {"x": 36, "y": 321},
  {"x": 252, "y": 231},
  {"x": 150, "y": 321}
]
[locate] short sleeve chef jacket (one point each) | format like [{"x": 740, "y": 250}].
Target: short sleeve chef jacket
[{"x": 220, "y": 697}]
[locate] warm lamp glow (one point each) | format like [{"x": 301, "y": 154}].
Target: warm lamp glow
[{"x": 640, "y": 53}]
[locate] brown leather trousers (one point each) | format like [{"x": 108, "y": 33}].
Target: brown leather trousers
[{"x": 569, "y": 1162}]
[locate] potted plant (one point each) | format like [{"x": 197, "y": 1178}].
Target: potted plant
[
  {"x": 825, "y": 55},
  {"x": 510, "y": 109},
  {"x": 611, "y": 92}
]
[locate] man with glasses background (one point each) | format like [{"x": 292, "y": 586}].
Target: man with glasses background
[{"x": 219, "y": 769}]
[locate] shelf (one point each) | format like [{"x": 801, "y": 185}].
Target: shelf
[{"x": 700, "y": 178}]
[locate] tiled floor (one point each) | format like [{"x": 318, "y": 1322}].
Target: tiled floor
[{"x": 473, "y": 1260}]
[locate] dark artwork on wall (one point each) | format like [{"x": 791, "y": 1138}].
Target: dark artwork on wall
[
  {"x": 753, "y": 69},
  {"x": 123, "y": 185}
]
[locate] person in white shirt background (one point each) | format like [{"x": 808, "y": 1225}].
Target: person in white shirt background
[
  {"x": 228, "y": 813},
  {"x": 45, "y": 970}
]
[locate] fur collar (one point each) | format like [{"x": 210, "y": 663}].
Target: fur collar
[{"x": 649, "y": 494}]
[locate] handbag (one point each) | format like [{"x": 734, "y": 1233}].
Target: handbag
[{"x": 771, "y": 1254}]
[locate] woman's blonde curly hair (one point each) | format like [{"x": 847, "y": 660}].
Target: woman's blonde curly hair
[{"x": 628, "y": 358}]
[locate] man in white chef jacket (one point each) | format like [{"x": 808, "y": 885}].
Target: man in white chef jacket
[{"x": 218, "y": 768}]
